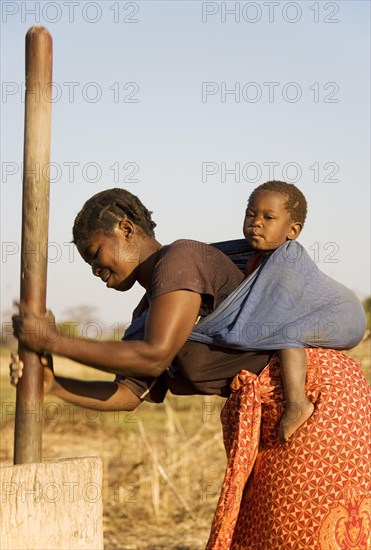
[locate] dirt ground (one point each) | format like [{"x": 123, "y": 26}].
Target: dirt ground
[{"x": 163, "y": 464}]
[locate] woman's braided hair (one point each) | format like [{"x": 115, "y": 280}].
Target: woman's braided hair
[
  {"x": 295, "y": 204},
  {"x": 103, "y": 210}
]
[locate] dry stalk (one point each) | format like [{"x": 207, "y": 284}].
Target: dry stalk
[
  {"x": 163, "y": 473},
  {"x": 194, "y": 456}
]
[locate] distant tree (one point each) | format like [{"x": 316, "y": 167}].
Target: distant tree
[
  {"x": 69, "y": 328},
  {"x": 7, "y": 338},
  {"x": 83, "y": 313},
  {"x": 367, "y": 308},
  {"x": 83, "y": 320}
]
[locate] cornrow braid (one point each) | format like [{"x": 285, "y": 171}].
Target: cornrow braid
[
  {"x": 296, "y": 203},
  {"x": 103, "y": 210}
]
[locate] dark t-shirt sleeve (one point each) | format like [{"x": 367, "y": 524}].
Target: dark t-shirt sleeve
[{"x": 198, "y": 267}]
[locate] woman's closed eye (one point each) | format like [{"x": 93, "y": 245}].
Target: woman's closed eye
[{"x": 94, "y": 256}]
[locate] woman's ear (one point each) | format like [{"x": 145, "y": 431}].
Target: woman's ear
[
  {"x": 294, "y": 231},
  {"x": 127, "y": 227}
]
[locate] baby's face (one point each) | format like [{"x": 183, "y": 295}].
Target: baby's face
[{"x": 267, "y": 223}]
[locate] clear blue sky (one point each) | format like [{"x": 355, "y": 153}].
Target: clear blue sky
[{"x": 193, "y": 105}]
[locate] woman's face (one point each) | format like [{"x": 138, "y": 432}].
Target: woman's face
[{"x": 114, "y": 257}]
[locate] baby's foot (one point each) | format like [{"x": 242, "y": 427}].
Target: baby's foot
[{"x": 294, "y": 416}]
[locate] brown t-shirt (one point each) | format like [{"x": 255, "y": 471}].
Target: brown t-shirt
[{"x": 197, "y": 368}]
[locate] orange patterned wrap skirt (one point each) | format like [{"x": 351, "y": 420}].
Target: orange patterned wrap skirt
[{"x": 312, "y": 492}]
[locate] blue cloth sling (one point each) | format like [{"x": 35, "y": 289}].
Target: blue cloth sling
[{"x": 287, "y": 302}]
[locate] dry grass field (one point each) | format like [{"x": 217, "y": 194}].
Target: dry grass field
[{"x": 163, "y": 464}]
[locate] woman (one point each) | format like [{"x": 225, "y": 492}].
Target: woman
[{"x": 310, "y": 492}]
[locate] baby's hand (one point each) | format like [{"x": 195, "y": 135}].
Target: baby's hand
[{"x": 15, "y": 368}]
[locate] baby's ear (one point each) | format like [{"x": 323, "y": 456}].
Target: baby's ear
[{"x": 294, "y": 231}]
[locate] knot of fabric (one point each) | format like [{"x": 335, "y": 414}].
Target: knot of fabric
[{"x": 243, "y": 378}]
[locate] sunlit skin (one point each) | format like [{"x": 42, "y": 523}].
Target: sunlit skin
[
  {"x": 268, "y": 225},
  {"x": 120, "y": 258}
]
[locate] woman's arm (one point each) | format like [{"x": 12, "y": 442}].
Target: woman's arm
[
  {"x": 170, "y": 320},
  {"x": 98, "y": 395}
]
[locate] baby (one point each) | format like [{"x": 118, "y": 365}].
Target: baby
[{"x": 275, "y": 213}]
